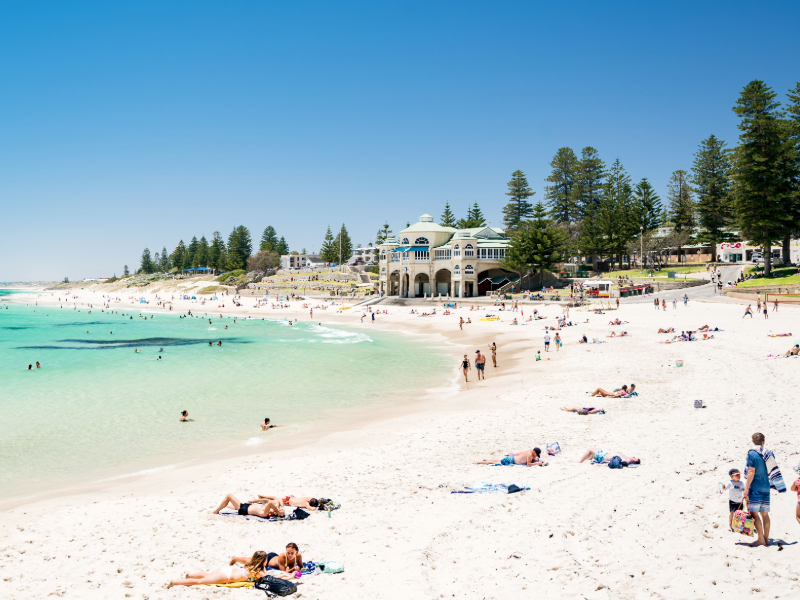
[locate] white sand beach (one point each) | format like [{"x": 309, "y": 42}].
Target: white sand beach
[{"x": 581, "y": 531}]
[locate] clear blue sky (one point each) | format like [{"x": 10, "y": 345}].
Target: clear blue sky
[{"x": 133, "y": 124}]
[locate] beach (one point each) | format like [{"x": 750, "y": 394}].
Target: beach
[{"x": 580, "y": 531}]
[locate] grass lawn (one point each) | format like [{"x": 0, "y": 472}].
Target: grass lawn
[
  {"x": 682, "y": 270},
  {"x": 782, "y": 276}
]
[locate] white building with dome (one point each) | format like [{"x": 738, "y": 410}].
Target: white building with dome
[{"x": 427, "y": 259}]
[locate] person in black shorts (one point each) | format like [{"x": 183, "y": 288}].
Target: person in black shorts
[{"x": 267, "y": 509}]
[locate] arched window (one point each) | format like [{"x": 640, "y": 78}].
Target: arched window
[
  {"x": 456, "y": 251},
  {"x": 405, "y": 241},
  {"x": 422, "y": 241},
  {"x": 468, "y": 270},
  {"x": 383, "y": 270},
  {"x": 469, "y": 250},
  {"x": 457, "y": 270},
  {"x": 383, "y": 255}
]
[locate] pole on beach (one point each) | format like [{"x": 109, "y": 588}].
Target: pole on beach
[{"x": 641, "y": 250}]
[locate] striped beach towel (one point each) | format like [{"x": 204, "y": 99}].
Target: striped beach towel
[{"x": 774, "y": 473}]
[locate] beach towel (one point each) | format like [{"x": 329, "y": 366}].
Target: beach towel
[
  {"x": 553, "y": 448},
  {"x": 489, "y": 319},
  {"x": 485, "y": 487},
  {"x": 236, "y": 584},
  {"x": 780, "y": 335},
  {"x": 774, "y": 473},
  {"x": 630, "y": 395}
]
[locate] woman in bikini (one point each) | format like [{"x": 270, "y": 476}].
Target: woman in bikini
[
  {"x": 465, "y": 366},
  {"x": 586, "y": 411},
  {"x": 250, "y": 571},
  {"x": 494, "y": 354}
]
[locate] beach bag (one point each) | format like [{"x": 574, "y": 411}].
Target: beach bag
[
  {"x": 553, "y": 448},
  {"x": 300, "y": 514},
  {"x": 615, "y": 463},
  {"x": 744, "y": 522},
  {"x": 272, "y": 586},
  {"x": 332, "y": 567}
]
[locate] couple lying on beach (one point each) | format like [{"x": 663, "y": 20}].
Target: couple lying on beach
[
  {"x": 282, "y": 566},
  {"x": 528, "y": 458},
  {"x": 618, "y": 393},
  {"x": 269, "y": 506}
]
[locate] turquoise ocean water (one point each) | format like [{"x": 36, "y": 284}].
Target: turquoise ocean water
[{"x": 98, "y": 410}]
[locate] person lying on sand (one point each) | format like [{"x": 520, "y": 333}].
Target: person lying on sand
[
  {"x": 614, "y": 334},
  {"x": 288, "y": 562},
  {"x": 793, "y": 352},
  {"x": 707, "y": 328},
  {"x": 615, "y": 322},
  {"x": 306, "y": 502},
  {"x": 529, "y": 458},
  {"x": 615, "y": 394},
  {"x": 603, "y": 456},
  {"x": 250, "y": 570},
  {"x": 670, "y": 330},
  {"x": 269, "y": 508},
  {"x": 587, "y": 411}
]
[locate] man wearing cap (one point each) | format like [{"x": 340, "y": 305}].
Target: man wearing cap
[{"x": 480, "y": 363}]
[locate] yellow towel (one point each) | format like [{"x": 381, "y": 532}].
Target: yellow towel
[
  {"x": 490, "y": 319},
  {"x": 237, "y": 584}
]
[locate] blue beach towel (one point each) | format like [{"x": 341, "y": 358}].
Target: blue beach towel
[
  {"x": 774, "y": 473},
  {"x": 485, "y": 487}
]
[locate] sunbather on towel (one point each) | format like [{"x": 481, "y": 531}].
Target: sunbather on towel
[
  {"x": 670, "y": 330},
  {"x": 251, "y": 570},
  {"x": 587, "y": 411},
  {"x": 529, "y": 458},
  {"x": 793, "y": 351},
  {"x": 306, "y": 502},
  {"x": 603, "y": 456},
  {"x": 268, "y": 509},
  {"x": 623, "y": 391},
  {"x": 288, "y": 562},
  {"x": 615, "y": 322}
]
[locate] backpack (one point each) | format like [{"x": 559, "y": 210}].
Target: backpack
[
  {"x": 615, "y": 463},
  {"x": 272, "y": 586},
  {"x": 300, "y": 514}
]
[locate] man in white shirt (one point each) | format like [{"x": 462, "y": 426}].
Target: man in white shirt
[{"x": 547, "y": 341}]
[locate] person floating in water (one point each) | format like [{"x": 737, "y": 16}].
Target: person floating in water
[
  {"x": 219, "y": 343},
  {"x": 38, "y": 366},
  {"x": 185, "y": 416},
  {"x": 266, "y": 425}
]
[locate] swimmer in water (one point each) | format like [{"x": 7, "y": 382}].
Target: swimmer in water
[
  {"x": 266, "y": 425},
  {"x": 38, "y": 366},
  {"x": 185, "y": 416},
  {"x": 219, "y": 343},
  {"x": 210, "y": 343},
  {"x": 30, "y": 367}
]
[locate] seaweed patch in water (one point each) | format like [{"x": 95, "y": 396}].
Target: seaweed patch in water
[{"x": 140, "y": 343}]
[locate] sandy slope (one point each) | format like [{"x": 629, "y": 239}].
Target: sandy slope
[{"x": 658, "y": 531}]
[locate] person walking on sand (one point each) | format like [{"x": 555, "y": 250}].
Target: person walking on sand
[
  {"x": 748, "y": 311},
  {"x": 775, "y": 306},
  {"x": 655, "y": 303},
  {"x": 461, "y": 323},
  {"x": 465, "y": 366},
  {"x": 796, "y": 488},
  {"x": 685, "y": 300},
  {"x": 663, "y": 304},
  {"x": 494, "y": 354},
  {"x": 766, "y": 311},
  {"x": 480, "y": 365},
  {"x": 557, "y": 340},
  {"x": 758, "y": 303},
  {"x": 547, "y": 341}
]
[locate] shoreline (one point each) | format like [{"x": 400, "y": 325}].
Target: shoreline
[{"x": 344, "y": 420}]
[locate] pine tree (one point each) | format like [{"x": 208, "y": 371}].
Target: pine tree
[
  {"x": 147, "y": 262},
  {"x": 536, "y": 244},
  {"x": 269, "y": 240},
  {"x": 164, "y": 266},
  {"x": 647, "y": 206},
  {"x": 156, "y": 261},
  {"x": 125, "y": 271},
  {"x": 681, "y": 204},
  {"x": 562, "y": 193},
  {"x": 178, "y": 255},
  {"x": 473, "y": 220},
  {"x": 448, "y": 219},
  {"x": 589, "y": 180},
  {"x": 383, "y": 234},
  {"x": 762, "y": 187},
  {"x": 342, "y": 246},
  {"x": 240, "y": 247},
  {"x": 712, "y": 185},
  {"x": 216, "y": 252},
  {"x": 792, "y": 167},
  {"x": 326, "y": 251},
  {"x": 518, "y": 208},
  {"x": 191, "y": 251},
  {"x": 615, "y": 216},
  {"x": 282, "y": 248},
  {"x": 201, "y": 257}
]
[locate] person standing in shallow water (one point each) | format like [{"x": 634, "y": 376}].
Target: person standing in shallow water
[{"x": 465, "y": 366}]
